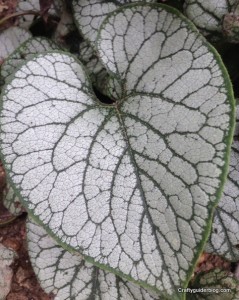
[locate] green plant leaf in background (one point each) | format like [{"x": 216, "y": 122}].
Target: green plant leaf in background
[
  {"x": 207, "y": 15},
  {"x": 64, "y": 27},
  {"x": 214, "y": 17},
  {"x": 99, "y": 77},
  {"x": 68, "y": 276},
  {"x": 224, "y": 239},
  {"x": 24, "y": 6},
  {"x": 132, "y": 185},
  {"x": 10, "y": 39},
  {"x": 89, "y": 58},
  {"x": 216, "y": 284},
  {"x": 24, "y": 52}
]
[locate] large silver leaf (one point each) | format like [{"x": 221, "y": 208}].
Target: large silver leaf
[
  {"x": 132, "y": 185},
  {"x": 68, "y": 276},
  {"x": 143, "y": 56}
]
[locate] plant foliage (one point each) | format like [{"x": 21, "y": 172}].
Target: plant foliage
[{"x": 128, "y": 185}]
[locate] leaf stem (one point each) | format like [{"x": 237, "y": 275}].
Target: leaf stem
[
  {"x": 8, "y": 221},
  {"x": 18, "y": 14}
]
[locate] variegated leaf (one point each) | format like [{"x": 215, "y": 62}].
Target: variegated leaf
[
  {"x": 24, "y": 52},
  {"x": 132, "y": 186},
  {"x": 96, "y": 70},
  {"x": 89, "y": 14},
  {"x": 208, "y": 15}
]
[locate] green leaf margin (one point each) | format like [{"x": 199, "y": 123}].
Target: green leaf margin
[
  {"x": 227, "y": 140},
  {"x": 230, "y": 96}
]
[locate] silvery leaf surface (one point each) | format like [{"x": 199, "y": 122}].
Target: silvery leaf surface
[
  {"x": 224, "y": 239},
  {"x": 208, "y": 15},
  {"x": 25, "y": 51},
  {"x": 89, "y": 14},
  {"x": 30, "y": 47},
  {"x": 10, "y": 39},
  {"x": 132, "y": 185},
  {"x": 68, "y": 276},
  {"x": 100, "y": 78}
]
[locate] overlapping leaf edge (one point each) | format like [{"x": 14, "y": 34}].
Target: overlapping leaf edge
[
  {"x": 22, "y": 47},
  {"x": 16, "y": 30},
  {"x": 115, "y": 2}
]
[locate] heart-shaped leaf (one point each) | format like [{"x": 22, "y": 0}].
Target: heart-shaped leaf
[
  {"x": 132, "y": 185},
  {"x": 68, "y": 276},
  {"x": 224, "y": 239}
]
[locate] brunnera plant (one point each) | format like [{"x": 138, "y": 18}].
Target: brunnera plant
[{"x": 131, "y": 185}]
